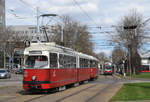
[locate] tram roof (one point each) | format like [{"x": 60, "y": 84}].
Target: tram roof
[{"x": 53, "y": 47}]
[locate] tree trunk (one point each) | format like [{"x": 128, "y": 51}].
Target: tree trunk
[{"x": 135, "y": 62}]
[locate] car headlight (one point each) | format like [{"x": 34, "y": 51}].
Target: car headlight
[{"x": 2, "y": 75}]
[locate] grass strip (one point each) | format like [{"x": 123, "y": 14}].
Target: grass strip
[
  {"x": 142, "y": 75},
  {"x": 133, "y": 92}
]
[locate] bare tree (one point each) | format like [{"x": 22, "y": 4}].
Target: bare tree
[
  {"x": 118, "y": 55},
  {"x": 130, "y": 34},
  {"x": 102, "y": 56},
  {"x": 5, "y": 39},
  {"x": 75, "y": 35},
  {"x": 119, "y": 58},
  {"x": 5, "y": 45}
]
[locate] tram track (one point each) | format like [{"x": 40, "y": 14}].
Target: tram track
[
  {"x": 65, "y": 97},
  {"x": 26, "y": 98},
  {"x": 101, "y": 91},
  {"x": 21, "y": 96},
  {"x": 34, "y": 97},
  {"x": 30, "y": 100},
  {"x": 88, "y": 100}
]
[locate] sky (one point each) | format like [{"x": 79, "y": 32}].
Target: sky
[{"x": 93, "y": 13}]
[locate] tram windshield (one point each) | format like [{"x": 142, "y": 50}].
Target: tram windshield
[
  {"x": 108, "y": 67},
  {"x": 36, "y": 62}
]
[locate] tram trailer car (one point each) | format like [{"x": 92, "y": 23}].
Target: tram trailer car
[
  {"x": 48, "y": 66},
  {"x": 145, "y": 68}
]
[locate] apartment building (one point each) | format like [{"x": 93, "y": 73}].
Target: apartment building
[{"x": 2, "y": 14}]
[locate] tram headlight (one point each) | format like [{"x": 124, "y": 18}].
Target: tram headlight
[{"x": 33, "y": 78}]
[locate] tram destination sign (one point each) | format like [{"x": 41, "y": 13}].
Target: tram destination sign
[{"x": 35, "y": 52}]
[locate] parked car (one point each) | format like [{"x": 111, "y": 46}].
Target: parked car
[
  {"x": 4, "y": 73},
  {"x": 19, "y": 71}
]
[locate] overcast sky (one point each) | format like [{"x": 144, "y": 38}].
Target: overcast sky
[{"x": 91, "y": 12}]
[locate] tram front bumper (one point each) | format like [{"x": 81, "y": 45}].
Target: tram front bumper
[{"x": 36, "y": 85}]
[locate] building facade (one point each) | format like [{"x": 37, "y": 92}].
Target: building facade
[
  {"x": 24, "y": 32},
  {"x": 29, "y": 32},
  {"x": 2, "y": 14}
]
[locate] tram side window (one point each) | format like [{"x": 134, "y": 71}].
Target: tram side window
[
  {"x": 66, "y": 61},
  {"x": 88, "y": 63},
  {"x": 73, "y": 62},
  {"x": 84, "y": 63},
  {"x": 92, "y": 63},
  {"x": 53, "y": 60},
  {"x": 81, "y": 62},
  {"x": 96, "y": 64},
  {"x": 69, "y": 62},
  {"x": 61, "y": 61}
]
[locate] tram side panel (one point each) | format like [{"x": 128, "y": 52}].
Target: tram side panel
[
  {"x": 94, "y": 73},
  {"x": 48, "y": 78},
  {"x": 61, "y": 77},
  {"x": 84, "y": 69},
  {"x": 83, "y": 74}
]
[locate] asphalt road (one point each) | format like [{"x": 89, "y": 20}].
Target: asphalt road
[
  {"x": 90, "y": 92},
  {"x": 100, "y": 90},
  {"x": 16, "y": 79}
]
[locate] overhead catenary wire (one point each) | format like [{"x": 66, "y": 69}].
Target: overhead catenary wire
[
  {"x": 12, "y": 12},
  {"x": 34, "y": 9},
  {"x": 31, "y": 7},
  {"x": 90, "y": 18},
  {"x": 76, "y": 3},
  {"x": 81, "y": 8},
  {"x": 85, "y": 13}
]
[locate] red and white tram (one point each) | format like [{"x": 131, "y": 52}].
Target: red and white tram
[{"x": 48, "y": 65}]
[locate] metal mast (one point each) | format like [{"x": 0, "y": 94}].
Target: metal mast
[{"x": 38, "y": 29}]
